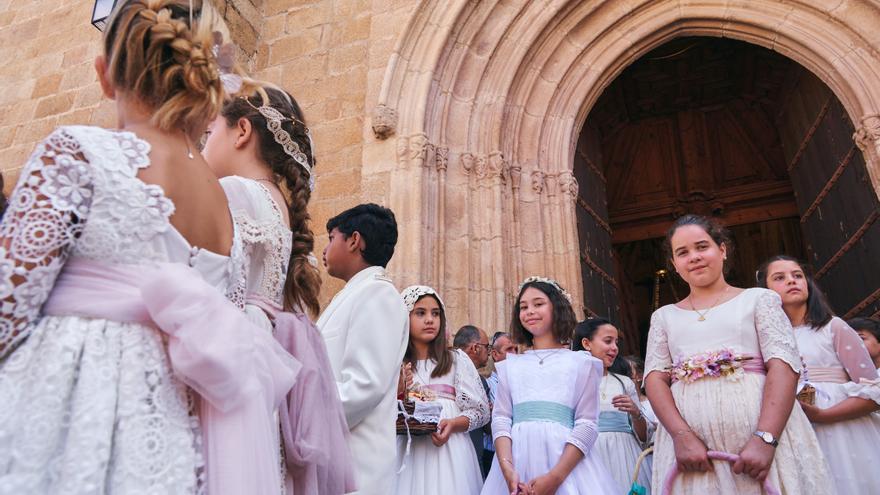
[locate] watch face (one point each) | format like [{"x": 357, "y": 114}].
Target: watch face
[{"x": 767, "y": 437}]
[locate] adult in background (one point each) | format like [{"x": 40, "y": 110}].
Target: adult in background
[
  {"x": 366, "y": 328},
  {"x": 501, "y": 346},
  {"x": 474, "y": 342}
]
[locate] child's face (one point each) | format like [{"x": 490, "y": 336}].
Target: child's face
[
  {"x": 336, "y": 252},
  {"x": 535, "y": 312},
  {"x": 603, "y": 345},
  {"x": 787, "y": 279},
  {"x": 424, "y": 320},
  {"x": 871, "y": 343},
  {"x": 219, "y": 147},
  {"x": 696, "y": 256}
]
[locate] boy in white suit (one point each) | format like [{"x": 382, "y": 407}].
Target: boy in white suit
[{"x": 366, "y": 327}]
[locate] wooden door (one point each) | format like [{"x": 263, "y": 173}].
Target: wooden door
[
  {"x": 598, "y": 264},
  {"x": 838, "y": 206}
]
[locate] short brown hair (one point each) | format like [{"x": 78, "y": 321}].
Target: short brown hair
[
  {"x": 155, "y": 55},
  {"x": 564, "y": 320}
]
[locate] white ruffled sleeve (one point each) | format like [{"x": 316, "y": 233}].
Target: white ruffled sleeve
[
  {"x": 586, "y": 413},
  {"x": 658, "y": 357},
  {"x": 854, "y": 357},
  {"x": 46, "y": 214},
  {"x": 470, "y": 396},
  {"x": 775, "y": 335}
]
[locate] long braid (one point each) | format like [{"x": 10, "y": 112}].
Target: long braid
[{"x": 303, "y": 282}]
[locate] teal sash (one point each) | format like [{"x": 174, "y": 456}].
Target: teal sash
[
  {"x": 615, "y": 421},
  {"x": 540, "y": 410}
]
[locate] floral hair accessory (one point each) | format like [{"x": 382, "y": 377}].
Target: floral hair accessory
[
  {"x": 724, "y": 362},
  {"x": 224, "y": 53},
  {"x": 415, "y": 292},
  {"x": 545, "y": 280}
]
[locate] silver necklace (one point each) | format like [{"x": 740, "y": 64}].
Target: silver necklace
[{"x": 541, "y": 359}]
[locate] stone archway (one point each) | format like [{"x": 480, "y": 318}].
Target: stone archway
[{"x": 482, "y": 103}]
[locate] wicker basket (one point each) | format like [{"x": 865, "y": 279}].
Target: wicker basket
[
  {"x": 416, "y": 428},
  {"x": 807, "y": 395}
]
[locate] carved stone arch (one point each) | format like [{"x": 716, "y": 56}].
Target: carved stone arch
[{"x": 503, "y": 88}]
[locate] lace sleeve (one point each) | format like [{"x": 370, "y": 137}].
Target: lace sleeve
[
  {"x": 775, "y": 335},
  {"x": 586, "y": 414},
  {"x": 469, "y": 393},
  {"x": 658, "y": 357},
  {"x": 502, "y": 408},
  {"x": 46, "y": 214}
]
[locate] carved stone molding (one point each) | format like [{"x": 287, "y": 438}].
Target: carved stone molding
[
  {"x": 515, "y": 177},
  {"x": 498, "y": 166},
  {"x": 868, "y": 133},
  {"x": 441, "y": 158},
  {"x": 415, "y": 150},
  {"x": 568, "y": 184},
  {"x": 539, "y": 181},
  {"x": 384, "y": 120},
  {"x": 485, "y": 167}
]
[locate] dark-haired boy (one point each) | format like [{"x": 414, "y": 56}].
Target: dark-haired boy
[{"x": 366, "y": 328}]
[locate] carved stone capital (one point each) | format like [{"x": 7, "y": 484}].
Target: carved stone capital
[
  {"x": 497, "y": 166},
  {"x": 441, "y": 158},
  {"x": 539, "y": 181},
  {"x": 515, "y": 177},
  {"x": 568, "y": 184},
  {"x": 468, "y": 162},
  {"x": 868, "y": 134},
  {"x": 418, "y": 149},
  {"x": 384, "y": 120}
]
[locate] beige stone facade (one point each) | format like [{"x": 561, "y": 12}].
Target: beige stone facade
[{"x": 460, "y": 115}]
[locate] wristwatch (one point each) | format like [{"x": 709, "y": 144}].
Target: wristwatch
[{"x": 767, "y": 438}]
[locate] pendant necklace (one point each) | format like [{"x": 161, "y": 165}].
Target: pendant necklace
[
  {"x": 602, "y": 387},
  {"x": 706, "y": 311},
  {"x": 541, "y": 359}
]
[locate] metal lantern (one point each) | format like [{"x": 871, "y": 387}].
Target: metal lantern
[{"x": 101, "y": 12}]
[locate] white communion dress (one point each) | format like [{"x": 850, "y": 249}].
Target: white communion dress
[
  {"x": 723, "y": 410},
  {"x": 545, "y": 400},
  {"x": 452, "y": 467},
  {"x": 839, "y": 367}
]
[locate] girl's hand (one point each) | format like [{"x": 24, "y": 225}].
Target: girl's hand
[
  {"x": 625, "y": 404},
  {"x": 546, "y": 484},
  {"x": 512, "y": 478},
  {"x": 814, "y": 414},
  {"x": 691, "y": 453},
  {"x": 755, "y": 459},
  {"x": 441, "y": 436}
]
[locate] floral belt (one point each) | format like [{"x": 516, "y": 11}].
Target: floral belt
[{"x": 720, "y": 363}]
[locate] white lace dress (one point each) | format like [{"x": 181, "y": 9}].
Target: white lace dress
[
  {"x": 453, "y": 467},
  {"x": 840, "y": 367},
  {"x": 90, "y": 405},
  {"x": 266, "y": 243},
  {"x": 619, "y": 449},
  {"x": 724, "y": 411}
]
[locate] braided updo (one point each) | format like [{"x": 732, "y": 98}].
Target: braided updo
[
  {"x": 303, "y": 281},
  {"x": 156, "y": 56}
]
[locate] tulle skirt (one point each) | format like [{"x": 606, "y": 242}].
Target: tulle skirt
[
  {"x": 851, "y": 447},
  {"x": 620, "y": 452},
  {"x": 724, "y": 412},
  {"x": 537, "y": 447}
]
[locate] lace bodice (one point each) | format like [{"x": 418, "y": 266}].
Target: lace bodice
[
  {"x": 79, "y": 196},
  {"x": 470, "y": 397},
  {"x": 267, "y": 239},
  {"x": 753, "y": 322}
]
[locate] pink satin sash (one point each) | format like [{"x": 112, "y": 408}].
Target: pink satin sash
[
  {"x": 828, "y": 375},
  {"x": 238, "y": 369},
  {"x": 442, "y": 390},
  {"x": 754, "y": 365}
]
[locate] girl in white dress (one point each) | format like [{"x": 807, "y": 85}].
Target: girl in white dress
[
  {"x": 444, "y": 462},
  {"x": 721, "y": 372},
  {"x": 840, "y": 368},
  {"x": 623, "y": 428},
  {"x": 546, "y": 404},
  {"x": 111, "y": 238}
]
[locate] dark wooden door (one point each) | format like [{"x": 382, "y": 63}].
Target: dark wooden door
[
  {"x": 838, "y": 206},
  {"x": 599, "y": 269}
]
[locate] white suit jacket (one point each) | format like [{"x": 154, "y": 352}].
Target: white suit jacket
[{"x": 366, "y": 329}]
